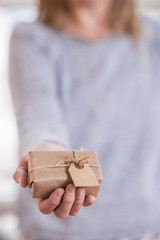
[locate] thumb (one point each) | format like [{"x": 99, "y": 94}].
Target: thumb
[{"x": 21, "y": 174}]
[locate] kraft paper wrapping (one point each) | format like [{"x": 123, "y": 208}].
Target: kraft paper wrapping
[{"x": 49, "y": 170}]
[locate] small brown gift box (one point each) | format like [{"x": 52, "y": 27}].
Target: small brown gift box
[{"x": 49, "y": 170}]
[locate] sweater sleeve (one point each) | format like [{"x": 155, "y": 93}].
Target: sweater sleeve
[
  {"x": 35, "y": 90},
  {"x": 156, "y": 28},
  {"x": 152, "y": 25}
]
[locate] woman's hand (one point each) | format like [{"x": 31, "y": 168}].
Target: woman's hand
[{"x": 62, "y": 202}]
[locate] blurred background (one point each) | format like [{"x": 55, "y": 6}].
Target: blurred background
[{"x": 11, "y": 12}]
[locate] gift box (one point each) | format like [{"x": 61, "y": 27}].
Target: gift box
[{"x": 49, "y": 170}]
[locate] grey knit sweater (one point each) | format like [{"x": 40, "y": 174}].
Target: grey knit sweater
[{"x": 102, "y": 95}]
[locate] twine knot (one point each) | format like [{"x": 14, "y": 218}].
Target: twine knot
[{"x": 77, "y": 160}]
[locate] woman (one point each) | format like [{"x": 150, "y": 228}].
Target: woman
[{"x": 86, "y": 73}]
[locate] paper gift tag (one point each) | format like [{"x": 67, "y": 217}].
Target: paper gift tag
[{"x": 83, "y": 177}]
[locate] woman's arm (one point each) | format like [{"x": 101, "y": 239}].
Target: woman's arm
[
  {"x": 39, "y": 112},
  {"x": 35, "y": 88}
]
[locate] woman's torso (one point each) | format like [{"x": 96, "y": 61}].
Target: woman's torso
[{"x": 110, "y": 93}]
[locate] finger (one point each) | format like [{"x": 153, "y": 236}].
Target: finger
[
  {"x": 23, "y": 162},
  {"x": 20, "y": 176},
  {"x": 46, "y": 206},
  {"x": 79, "y": 200},
  {"x": 89, "y": 201},
  {"x": 62, "y": 211},
  {"x": 21, "y": 173}
]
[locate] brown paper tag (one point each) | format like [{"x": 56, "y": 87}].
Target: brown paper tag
[{"x": 84, "y": 177}]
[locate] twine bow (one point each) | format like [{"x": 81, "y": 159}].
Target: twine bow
[{"x": 77, "y": 160}]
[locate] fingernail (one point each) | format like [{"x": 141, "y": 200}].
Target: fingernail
[
  {"x": 20, "y": 181},
  {"x": 58, "y": 193},
  {"x": 71, "y": 189},
  {"x": 90, "y": 202},
  {"x": 93, "y": 199},
  {"x": 80, "y": 192}
]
